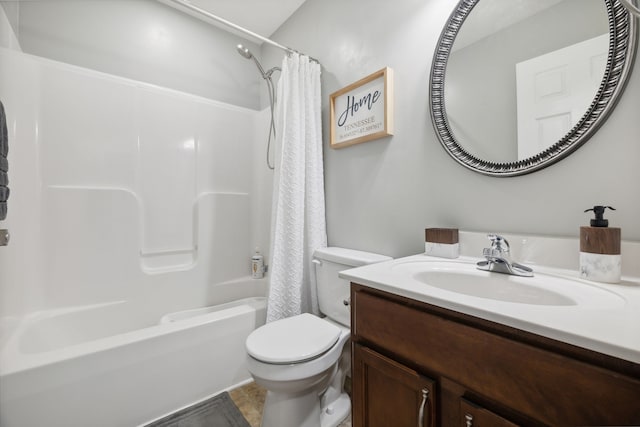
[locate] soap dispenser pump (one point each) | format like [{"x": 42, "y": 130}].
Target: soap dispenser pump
[{"x": 600, "y": 258}]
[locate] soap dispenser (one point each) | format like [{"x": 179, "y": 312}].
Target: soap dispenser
[{"x": 600, "y": 258}]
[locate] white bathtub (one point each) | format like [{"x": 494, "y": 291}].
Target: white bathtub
[{"x": 95, "y": 366}]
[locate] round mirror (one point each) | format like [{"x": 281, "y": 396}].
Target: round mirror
[{"x": 517, "y": 85}]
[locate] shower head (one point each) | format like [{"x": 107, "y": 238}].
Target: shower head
[
  {"x": 247, "y": 54},
  {"x": 244, "y": 51}
]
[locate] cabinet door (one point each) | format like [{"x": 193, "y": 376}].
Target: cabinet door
[
  {"x": 386, "y": 393},
  {"x": 472, "y": 415}
]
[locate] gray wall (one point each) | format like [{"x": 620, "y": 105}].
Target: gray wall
[
  {"x": 382, "y": 194},
  {"x": 139, "y": 39}
]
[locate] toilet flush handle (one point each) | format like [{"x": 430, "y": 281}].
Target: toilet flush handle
[{"x": 316, "y": 261}]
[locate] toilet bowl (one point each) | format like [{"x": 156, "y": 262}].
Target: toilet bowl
[
  {"x": 303, "y": 360},
  {"x": 295, "y": 383}
]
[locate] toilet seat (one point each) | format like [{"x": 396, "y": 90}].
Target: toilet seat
[{"x": 292, "y": 340}]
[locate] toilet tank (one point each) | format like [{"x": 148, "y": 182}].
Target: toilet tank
[{"x": 332, "y": 290}]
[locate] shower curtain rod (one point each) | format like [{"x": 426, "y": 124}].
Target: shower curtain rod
[{"x": 185, "y": 3}]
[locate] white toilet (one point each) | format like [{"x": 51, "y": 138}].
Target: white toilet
[{"x": 302, "y": 360}]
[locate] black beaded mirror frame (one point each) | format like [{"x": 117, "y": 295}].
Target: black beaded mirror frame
[{"x": 622, "y": 48}]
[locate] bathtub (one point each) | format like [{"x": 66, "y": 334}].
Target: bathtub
[{"x": 94, "y": 366}]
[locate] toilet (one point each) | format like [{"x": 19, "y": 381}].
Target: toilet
[{"x": 302, "y": 360}]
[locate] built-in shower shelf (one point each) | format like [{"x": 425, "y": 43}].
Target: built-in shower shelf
[{"x": 168, "y": 260}]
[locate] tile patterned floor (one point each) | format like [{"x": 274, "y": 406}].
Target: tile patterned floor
[{"x": 250, "y": 400}]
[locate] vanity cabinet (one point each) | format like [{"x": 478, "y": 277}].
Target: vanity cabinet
[
  {"x": 476, "y": 372},
  {"x": 394, "y": 394}
]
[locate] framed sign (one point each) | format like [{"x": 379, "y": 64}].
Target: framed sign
[{"x": 363, "y": 110}]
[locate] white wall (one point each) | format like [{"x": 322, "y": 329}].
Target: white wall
[
  {"x": 8, "y": 38},
  {"x": 382, "y": 194},
  {"x": 139, "y": 39}
]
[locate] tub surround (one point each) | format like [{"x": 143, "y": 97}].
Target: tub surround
[{"x": 91, "y": 204}]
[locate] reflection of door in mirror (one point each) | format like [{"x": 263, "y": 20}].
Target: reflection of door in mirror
[
  {"x": 480, "y": 83},
  {"x": 554, "y": 90}
]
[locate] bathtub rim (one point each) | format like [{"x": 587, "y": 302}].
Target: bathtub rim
[{"x": 12, "y": 361}]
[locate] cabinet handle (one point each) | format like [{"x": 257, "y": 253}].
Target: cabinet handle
[
  {"x": 469, "y": 419},
  {"x": 425, "y": 397}
]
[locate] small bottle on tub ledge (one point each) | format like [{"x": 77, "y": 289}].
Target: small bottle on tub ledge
[{"x": 257, "y": 265}]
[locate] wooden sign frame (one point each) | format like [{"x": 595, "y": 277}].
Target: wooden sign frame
[{"x": 362, "y": 111}]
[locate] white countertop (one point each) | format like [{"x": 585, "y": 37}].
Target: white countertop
[{"x": 612, "y": 329}]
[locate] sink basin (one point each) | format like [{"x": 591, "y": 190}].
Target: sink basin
[
  {"x": 495, "y": 286},
  {"x": 542, "y": 289}
]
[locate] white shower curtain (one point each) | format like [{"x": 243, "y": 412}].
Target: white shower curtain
[{"x": 298, "y": 215}]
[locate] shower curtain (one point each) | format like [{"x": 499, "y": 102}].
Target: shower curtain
[{"x": 298, "y": 213}]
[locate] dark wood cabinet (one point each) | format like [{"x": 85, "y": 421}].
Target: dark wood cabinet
[
  {"x": 390, "y": 394},
  {"x": 472, "y": 415},
  {"x": 477, "y": 373}
]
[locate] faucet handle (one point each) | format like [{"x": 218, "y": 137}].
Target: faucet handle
[{"x": 498, "y": 243}]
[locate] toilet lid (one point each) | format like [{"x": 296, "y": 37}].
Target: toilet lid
[{"x": 294, "y": 339}]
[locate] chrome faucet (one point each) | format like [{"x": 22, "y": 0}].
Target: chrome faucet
[{"x": 498, "y": 258}]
